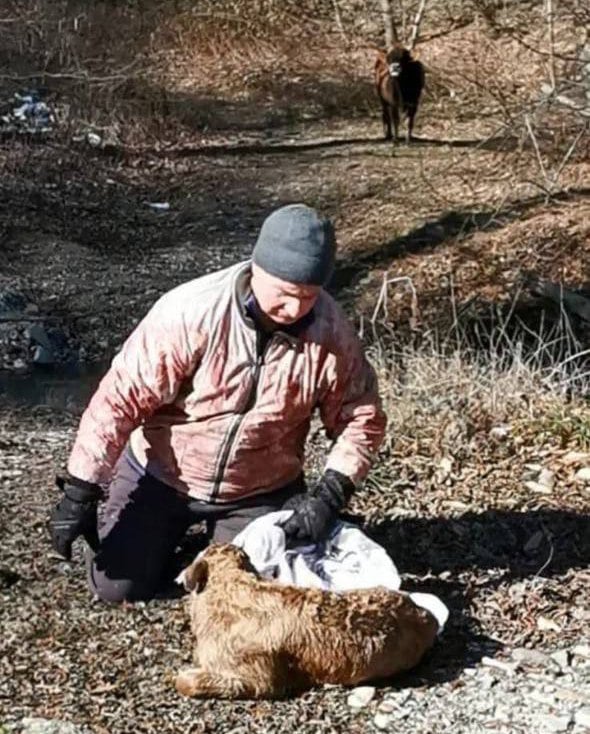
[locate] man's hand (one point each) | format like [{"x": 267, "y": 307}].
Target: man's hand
[
  {"x": 74, "y": 515},
  {"x": 317, "y": 512}
]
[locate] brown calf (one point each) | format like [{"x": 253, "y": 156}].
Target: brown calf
[{"x": 260, "y": 639}]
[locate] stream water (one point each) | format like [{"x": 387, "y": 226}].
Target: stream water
[{"x": 67, "y": 387}]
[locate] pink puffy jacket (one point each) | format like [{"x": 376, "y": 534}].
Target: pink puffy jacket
[{"x": 207, "y": 416}]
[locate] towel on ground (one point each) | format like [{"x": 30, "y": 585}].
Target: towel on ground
[{"x": 347, "y": 560}]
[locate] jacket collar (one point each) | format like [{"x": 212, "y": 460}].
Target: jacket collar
[{"x": 249, "y": 309}]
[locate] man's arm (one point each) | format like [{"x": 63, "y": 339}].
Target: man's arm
[
  {"x": 351, "y": 411},
  {"x": 147, "y": 373}
]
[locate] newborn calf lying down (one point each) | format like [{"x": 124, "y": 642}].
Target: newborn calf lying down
[{"x": 260, "y": 639}]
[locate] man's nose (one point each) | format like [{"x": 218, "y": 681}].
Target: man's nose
[{"x": 293, "y": 309}]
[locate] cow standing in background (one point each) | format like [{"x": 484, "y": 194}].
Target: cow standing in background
[{"x": 399, "y": 80}]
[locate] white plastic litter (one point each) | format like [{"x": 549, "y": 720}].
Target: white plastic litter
[{"x": 30, "y": 115}]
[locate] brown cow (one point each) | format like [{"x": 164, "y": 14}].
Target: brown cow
[{"x": 399, "y": 80}]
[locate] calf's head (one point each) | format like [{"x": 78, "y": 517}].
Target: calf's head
[{"x": 218, "y": 560}]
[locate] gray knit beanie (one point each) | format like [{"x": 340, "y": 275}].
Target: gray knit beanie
[{"x": 295, "y": 245}]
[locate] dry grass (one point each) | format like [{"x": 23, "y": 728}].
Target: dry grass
[{"x": 448, "y": 401}]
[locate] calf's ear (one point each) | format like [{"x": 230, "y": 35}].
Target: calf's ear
[{"x": 194, "y": 577}]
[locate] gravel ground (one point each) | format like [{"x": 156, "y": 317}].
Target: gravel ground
[{"x": 515, "y": 656}]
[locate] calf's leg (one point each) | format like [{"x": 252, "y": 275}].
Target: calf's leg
[{"x": 200, "y": 683}]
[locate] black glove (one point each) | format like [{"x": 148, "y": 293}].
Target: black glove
[
  {"x": 74, "y": 515},
  {"x": 316, "y": 513}
]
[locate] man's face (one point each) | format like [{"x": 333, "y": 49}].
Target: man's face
[{"x": 281, "y": 301}]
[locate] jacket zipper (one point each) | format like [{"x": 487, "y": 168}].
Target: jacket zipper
[{"x": 237, "y": 422}]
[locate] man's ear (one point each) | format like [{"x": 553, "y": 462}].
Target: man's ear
[{"x": 194, "y": 577}]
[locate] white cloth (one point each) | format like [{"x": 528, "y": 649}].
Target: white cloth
[{"x": 348, "y": 559}]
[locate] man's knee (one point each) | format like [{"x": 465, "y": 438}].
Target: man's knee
[{"x": 116, "y": 590}]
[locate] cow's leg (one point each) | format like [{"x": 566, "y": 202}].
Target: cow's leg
[
  {"x": 385, "y": 110},
  {"x": 411, "y": 115},
  {"x": 395, "y": 118},
  {"x": 412, "y": 110}
]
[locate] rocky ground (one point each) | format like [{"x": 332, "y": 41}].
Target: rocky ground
[{"x": 512, "y": 565}]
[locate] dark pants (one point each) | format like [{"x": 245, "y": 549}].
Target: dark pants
[{"x": 144, "y": 521}]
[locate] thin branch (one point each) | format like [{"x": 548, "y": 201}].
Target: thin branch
[
  {"x": 65, "y": 75},
  {"x": 538, "y": 152},
  {"x": 538, "y": 51},
  {"x": 440, "y": 34},
  {"x": 338, "y": 17},
  {"x": 549, "y": 557},
  {"x": 568, "y": 155},
  {"x": 583, "y": 110},
  {"x": 382, "y": 300}
]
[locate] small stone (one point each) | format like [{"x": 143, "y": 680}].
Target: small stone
[
  {"x": 537, "y": 487},
  {"x": 361, "y": 697},
  {"x": 533, "y": 468},
  {"x": 575, "y": 457},
  {"x": 524, "y": 656},
  {"x": 547, "y": 625},
  {"x": 582, "y": 717},
  {"x": 383, "y": 720},
  {"x": 582, "y": 651},
  {"x": 551, "y": 723},
  {"x": 93, "y": 139},
  {"x": 387, "y": 706},
  {"x": 561, "y": 657},
  {"x": 547, "y": 478},
  {"x": 583, "y": 474},
  {"x": 500, "y": 433}
]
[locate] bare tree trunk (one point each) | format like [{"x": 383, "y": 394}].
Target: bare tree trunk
[
  {"x": 388, "y": 24},
  {"x": 416, "y": 24},
  {"x": 550, "y": 28}
]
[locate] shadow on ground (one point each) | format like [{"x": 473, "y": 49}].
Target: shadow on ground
[
  {"x": 434, "y": 233},
  {"x": 514, "y": 545}
]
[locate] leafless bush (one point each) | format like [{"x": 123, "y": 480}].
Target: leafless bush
[{"x": 450, "y": 400}]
